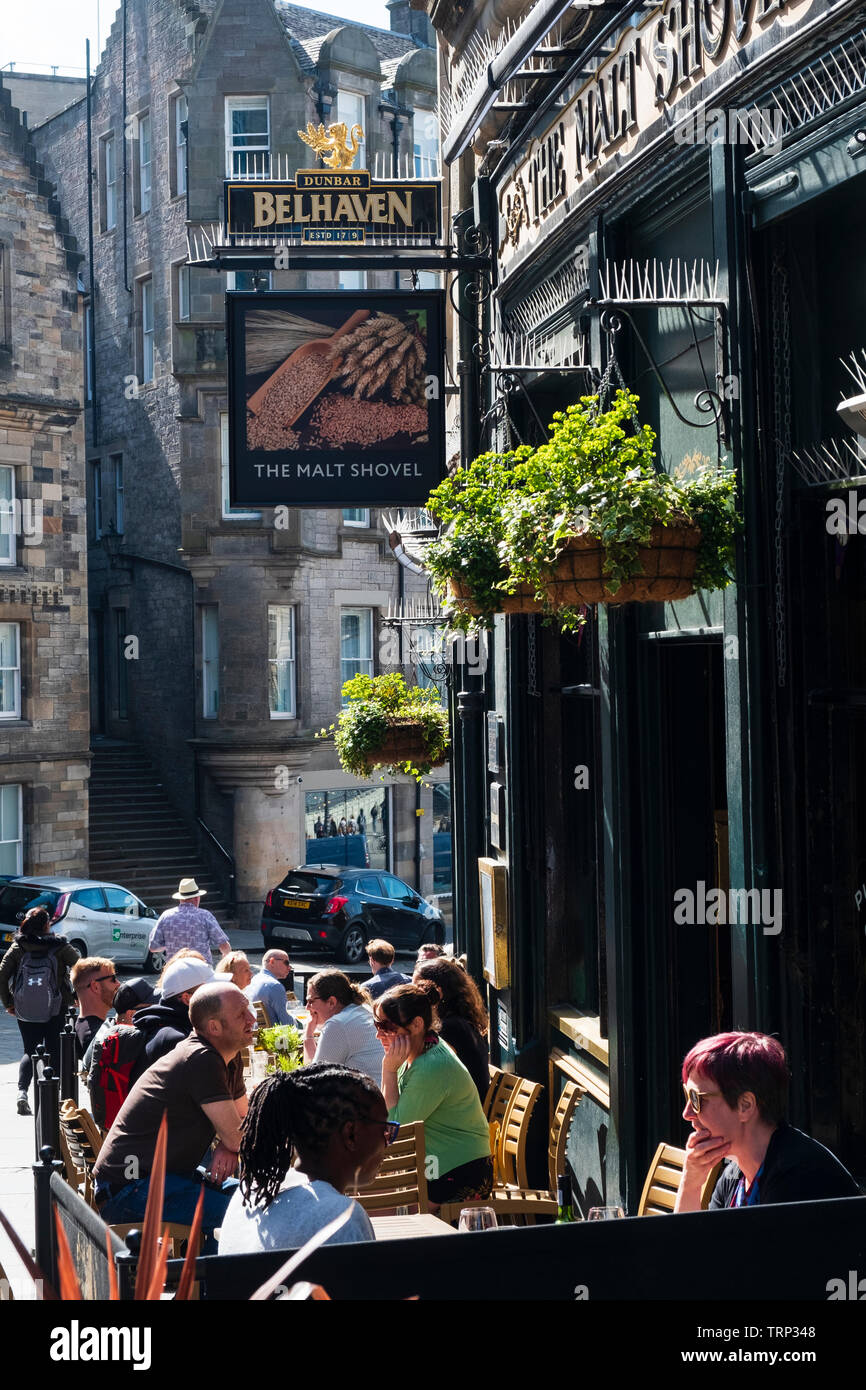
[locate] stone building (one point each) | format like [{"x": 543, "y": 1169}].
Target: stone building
[
  {"x": 219, "y": 638},
  {"x": 44, "y": 719}
]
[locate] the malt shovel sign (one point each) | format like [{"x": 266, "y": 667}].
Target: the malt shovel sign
[
  {"x": 336, "y": 203},
  {"x": 335, "y": 399}
]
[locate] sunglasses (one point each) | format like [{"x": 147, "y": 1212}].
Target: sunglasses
[
  {"x": 384, "y": 1025},
  {"x": 694, "y": 1096},
  {"x": 100, "y": 978},
  {"x": 391, "y": 1128}
]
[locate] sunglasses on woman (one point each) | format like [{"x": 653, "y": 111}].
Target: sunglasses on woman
[
  {"x": 694, "y": 1097},
  {"x": 384, "y": 1025}
]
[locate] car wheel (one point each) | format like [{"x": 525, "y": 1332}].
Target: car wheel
[
  {"x": 154, "y": 962},
  {"x": 80, "y": 947},
  {"x": 434, "y": 935},
  {"x": 352, "y": 947}
]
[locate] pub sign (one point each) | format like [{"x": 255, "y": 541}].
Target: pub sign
[{"x": 335, "y": 399}]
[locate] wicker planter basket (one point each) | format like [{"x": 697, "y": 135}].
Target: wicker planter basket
[
  {"x": 667, "y": 564},
  {"x": 403, "y": 743},
  {"x": 521, "y": 602}
]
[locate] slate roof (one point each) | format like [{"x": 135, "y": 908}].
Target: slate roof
[{"x": 309, "y": 28}]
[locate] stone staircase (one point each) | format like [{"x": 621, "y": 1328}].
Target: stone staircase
[{"x": 137, "y": 839}]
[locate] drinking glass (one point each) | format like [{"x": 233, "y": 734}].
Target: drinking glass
[
  {"x": 604, "y": 1213},
  {"x": 477, "y": 1219}
]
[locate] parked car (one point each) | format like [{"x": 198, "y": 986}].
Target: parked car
[
  {"x": 336, "y": 909},
  {"x": 98, "y": 919}
]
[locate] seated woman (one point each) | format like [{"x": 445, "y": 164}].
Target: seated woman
[
  {"x": 736, "y": 1087},
  {"x": 462, "y": 1017},
  {"x": 422, "y": 1079},
  {"x": 340, "y": 1013},
  {"x": 335, "y": 1124},
  {"x": 235, "y": 964}
]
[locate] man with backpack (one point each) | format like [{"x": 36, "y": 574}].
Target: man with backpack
[
  {"x": 123, "y": 1052},
  {"x": 35, "y": 988}
]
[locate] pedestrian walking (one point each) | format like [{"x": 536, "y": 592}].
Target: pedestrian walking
[
  {"x": 189, "y": 925},
  {"x": 35, "y": 989}
]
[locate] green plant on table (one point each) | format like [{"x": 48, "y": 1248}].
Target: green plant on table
[
  {"x": 376, "y": 705},
  {"x": 285, "y": 1044}
]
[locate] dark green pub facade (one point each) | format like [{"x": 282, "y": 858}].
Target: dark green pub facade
[{"x": 684, "y": 187}]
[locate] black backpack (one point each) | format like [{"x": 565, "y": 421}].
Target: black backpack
[{"x": 36, "y": 993}]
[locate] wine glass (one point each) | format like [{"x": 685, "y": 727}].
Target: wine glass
[
  {"x": 477, "y": 1219},
  {"x": 604, "y": 1213}
]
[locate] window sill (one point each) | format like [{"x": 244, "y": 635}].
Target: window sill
[
  {"x": 581, "y": 1029},
  {"x": 283, "y": 717},
  {"x": 15, "y": 723}
]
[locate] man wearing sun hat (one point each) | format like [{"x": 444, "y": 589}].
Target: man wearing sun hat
[{"x": 189, "y": 925}]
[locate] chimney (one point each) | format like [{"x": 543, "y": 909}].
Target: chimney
[{"x": 413, "y": 23}]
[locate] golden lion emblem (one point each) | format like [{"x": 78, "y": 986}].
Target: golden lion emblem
[{"x": 333, "y": 148}]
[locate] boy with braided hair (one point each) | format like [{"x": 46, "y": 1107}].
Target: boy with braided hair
[{"x": 334, "y": 1124}]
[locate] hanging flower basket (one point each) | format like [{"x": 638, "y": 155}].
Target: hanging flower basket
[
  {"x": 405, "y": 742},
  {"x": 523, "y": 601},
  {"x": 667, "y": 570}
]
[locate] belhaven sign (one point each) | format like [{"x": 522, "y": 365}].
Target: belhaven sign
[
  {"x": 340, "y": 207},
  {"x": 335, "y": 204},
  {"x": 335, "y": 400},
  {"x": 651, "y": 69}
]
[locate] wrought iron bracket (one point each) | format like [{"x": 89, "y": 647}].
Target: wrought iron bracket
[{"x": 708, "y": 401}]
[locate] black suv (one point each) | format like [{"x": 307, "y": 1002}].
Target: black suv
[{"x": 341, "y": 909}]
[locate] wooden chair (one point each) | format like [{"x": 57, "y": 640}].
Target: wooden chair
[
  {"x": 502, "y": 1086},
  {"x": 263, "y": 1018},
  {"x": 511, "y": 1154},
  {"x": 81, "y": 1141},
  {"x": 401, "y": 1180},
  {"x": 663, "y": 1180},
  {"x": 526, "y": 1203}
]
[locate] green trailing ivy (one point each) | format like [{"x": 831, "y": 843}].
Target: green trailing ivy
[
  {"x": 378, "y": 704},
  {"x": 508, "y": 516}
]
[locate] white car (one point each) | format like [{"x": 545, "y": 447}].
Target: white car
[{"x": 98, "y": 919}]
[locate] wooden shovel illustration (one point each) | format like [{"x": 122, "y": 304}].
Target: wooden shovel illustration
[{"x": 319, "y": 347}]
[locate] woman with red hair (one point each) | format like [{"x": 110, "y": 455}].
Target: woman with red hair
[{"x": 736, "y": 1087}]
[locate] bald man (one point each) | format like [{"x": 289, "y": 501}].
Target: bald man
[
  {"x": 199, "y": 1086},
  {"x": 268, "y": 986}
]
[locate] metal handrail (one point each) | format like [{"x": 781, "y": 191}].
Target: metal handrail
[{"x": 225, "y": 854}]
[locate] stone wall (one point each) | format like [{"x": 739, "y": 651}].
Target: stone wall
[{"x": 44, "y": 749}]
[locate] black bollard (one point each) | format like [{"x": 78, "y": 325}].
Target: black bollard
[
  {"x": 46, "y": 1241},
  {"x": 38, "y": 1058},
  {"x": 68, "y": 1065},
  {"x": 48, "y": 1122}
]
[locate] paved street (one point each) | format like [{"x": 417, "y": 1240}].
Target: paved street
[{"x": 16, "y": 1131}]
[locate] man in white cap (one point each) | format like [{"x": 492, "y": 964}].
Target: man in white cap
[
  {"x": 189, "y": 925},
  {"x": 166, "y": 1023}
]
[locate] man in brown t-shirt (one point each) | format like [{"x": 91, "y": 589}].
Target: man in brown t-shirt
[{"x": 199, "y": 1086}]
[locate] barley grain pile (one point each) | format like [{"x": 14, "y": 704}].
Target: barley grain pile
[
  {"x": 289, "y": 394},
  {"x": 339, "y": 419}
]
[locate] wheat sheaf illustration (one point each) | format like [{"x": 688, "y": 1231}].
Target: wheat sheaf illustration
[{"x": 333, "y": 148}]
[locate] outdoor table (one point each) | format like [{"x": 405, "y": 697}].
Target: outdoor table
[{"x": 407, "y": 1226}]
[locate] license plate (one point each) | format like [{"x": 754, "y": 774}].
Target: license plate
[
  {"x": 291, "y": 902},
  {"x": 7, "y": 936}
]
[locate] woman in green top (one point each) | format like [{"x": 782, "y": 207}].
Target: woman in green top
[{"x": 422, "y": 1079}]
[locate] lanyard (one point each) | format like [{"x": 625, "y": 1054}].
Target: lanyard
[{"x": 741, "y": 1197}]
